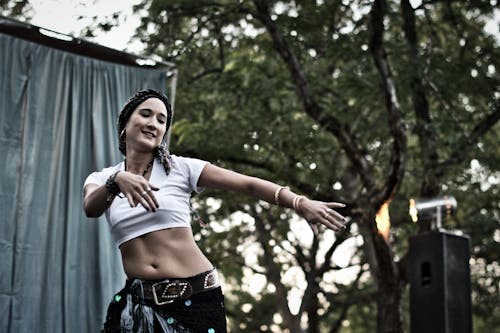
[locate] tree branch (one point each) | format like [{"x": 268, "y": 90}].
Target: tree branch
[
  {"x": 481, "y": 128},
  {"x": 328, "y": 122},
  {"x": 341, "y": 237},
  {"x": 396, "y": 124},
  {"x": 222, "y": 60},
  {"x": 423, "y": 128},
  {"x": 273, "y": 270},
  {"x": 432, "y": 2},
  {"x": 343, "y": 312}
]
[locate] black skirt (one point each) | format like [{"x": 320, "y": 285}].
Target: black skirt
[{"x": 201, "y": 313}]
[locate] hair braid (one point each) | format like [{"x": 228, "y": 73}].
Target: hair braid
[{"x": 162, "y": 154}]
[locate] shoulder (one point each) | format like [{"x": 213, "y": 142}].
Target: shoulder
[
  {"x": 183, "y": 162},
  {"x": 111, "y": 169},
  {"x": 99, "y": 177},
  {"x": 190, "y": 169}
]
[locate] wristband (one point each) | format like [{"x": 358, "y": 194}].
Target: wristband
[{"x": 112, "y": 187}]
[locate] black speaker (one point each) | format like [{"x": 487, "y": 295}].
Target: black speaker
[{"x": 440, "y": 291}]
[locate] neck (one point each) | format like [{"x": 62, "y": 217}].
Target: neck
[{"x": 138, "y": 162}]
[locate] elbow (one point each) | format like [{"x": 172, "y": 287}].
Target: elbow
[
  {"x": 251, "y": 187},
  {"x": 89, "y": 212}
]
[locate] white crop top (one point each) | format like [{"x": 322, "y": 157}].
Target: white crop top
[{"x": 173, "y": 198}]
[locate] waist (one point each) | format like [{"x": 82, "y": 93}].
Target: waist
[
  {"x": 164, "y": 291},
  {"x": 164, "y": 253}
]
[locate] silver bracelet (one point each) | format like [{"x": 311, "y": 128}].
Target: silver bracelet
[
  {"x": 296, "y": 203},
  {"x": 277, "y": 195}
]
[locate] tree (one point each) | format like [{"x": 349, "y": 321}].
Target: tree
[
  {"x": 366, "y": 103},
  {"x": 19, "y": 9}
]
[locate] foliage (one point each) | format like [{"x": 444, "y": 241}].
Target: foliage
[
  {"x": 296, "y": 92},
  {"x": 352, "y": 101},
  {"x": 18, "y": 9}
]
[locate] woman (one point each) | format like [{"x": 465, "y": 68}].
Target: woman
[{"x": 171, "y": 285}]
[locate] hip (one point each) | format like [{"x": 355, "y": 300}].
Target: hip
[{"x": 194, "y": 304}]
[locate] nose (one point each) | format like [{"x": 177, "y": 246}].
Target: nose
[{"x": 152, "y": 124}]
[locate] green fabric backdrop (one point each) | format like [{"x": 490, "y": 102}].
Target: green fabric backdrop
[{"x": 58, "y": 112}]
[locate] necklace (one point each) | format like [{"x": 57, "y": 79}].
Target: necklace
[{"x": 145, "y": 170}]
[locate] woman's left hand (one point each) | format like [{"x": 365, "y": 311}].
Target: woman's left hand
[{"x": 319, "y": 212}]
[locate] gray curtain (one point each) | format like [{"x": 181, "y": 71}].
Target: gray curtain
[{"x": 58, "y": 112}]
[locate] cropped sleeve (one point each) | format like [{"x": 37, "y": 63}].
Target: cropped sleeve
[
  {"x": 192, "y": 168},
  {"x": 100, "y": 177}
]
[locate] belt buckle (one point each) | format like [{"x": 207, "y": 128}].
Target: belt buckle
[
  {"x": 182, "y": 288},
  {"x": 155, "y": 296}
]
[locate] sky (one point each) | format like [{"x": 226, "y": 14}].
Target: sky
[{"x": 45, "y": 12}]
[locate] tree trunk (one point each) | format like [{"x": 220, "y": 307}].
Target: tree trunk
[
  {"x": 389, "y": 308},
  {"x": 312, "y": 316},
  {"x": 386, "y": 275}
]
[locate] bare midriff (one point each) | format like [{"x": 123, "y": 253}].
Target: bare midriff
[{"x": 166, "y": 253}]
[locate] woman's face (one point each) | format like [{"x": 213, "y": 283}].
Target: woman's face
[{"x": 147, "y": 125}]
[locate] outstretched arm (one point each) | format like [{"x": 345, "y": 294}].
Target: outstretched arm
[{"x": 312, "y": 210}]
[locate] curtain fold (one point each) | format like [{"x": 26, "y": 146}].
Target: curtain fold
[{"x": 58, "y": 114}]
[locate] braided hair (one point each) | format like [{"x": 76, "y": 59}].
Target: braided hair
[{"x": 161, "y": 152}]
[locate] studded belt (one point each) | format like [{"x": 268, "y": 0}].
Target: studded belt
[{"x": 169, "y": 290}]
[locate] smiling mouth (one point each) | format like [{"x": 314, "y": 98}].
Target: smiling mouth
[{"x": 149, "y": 134}]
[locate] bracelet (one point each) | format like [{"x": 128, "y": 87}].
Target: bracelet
[
  {"x": 296, "y": 203},
  {"x": 277, "y": 195},
  {"x": 112, "y": 187}
]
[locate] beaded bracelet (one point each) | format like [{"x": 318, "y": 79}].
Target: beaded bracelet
[
  {"x": 112, "y": 187},
  {"x": 277, "y": 195}
]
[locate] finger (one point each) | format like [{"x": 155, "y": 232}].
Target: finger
[
  {"x": 335, "y": 204},
  {"x": 337, "y": 220},
  {"x": 330, "y": 225},
  {"x": 130, "y": 200},
  {"x": 153, "y": 197},
  {"x": 336, "y": 215},
  {"x": 144, "y": 204},
  {"x": 140, "y": 199},
  {"x": 151, "y": 201},
  {"x": 314, "y": 228},
  {"x": 331, "y": 222}
]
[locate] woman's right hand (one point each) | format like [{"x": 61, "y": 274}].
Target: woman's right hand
[{"x": 137, "y": 190}]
